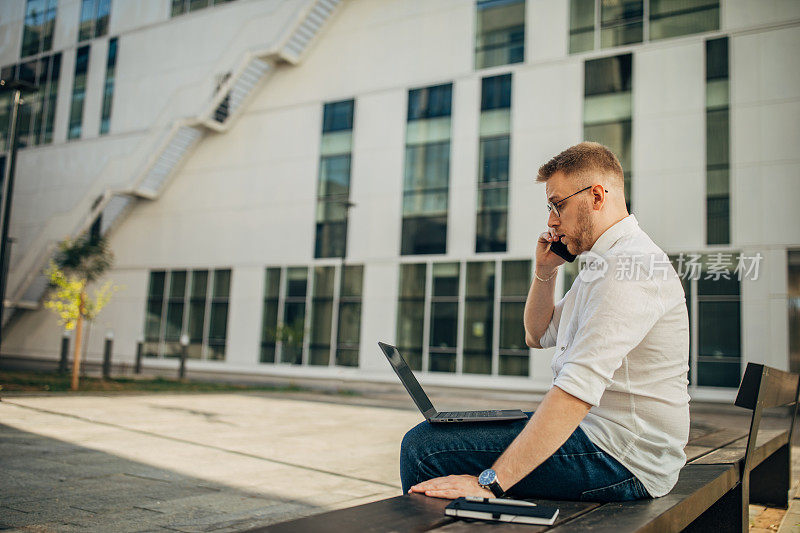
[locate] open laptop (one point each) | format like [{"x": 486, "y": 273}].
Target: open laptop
[{"x": 413, "y": 387}]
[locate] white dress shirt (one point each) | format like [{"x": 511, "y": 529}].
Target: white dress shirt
[{"x": 622, "y": 345}]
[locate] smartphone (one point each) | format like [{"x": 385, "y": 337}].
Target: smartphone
[{"x": 560, "y": 249}]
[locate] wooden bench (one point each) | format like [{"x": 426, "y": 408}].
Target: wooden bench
[{"x": 725, "y": 471}]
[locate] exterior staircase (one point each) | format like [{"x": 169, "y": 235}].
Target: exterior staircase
[{"x": 163, "y": 153}]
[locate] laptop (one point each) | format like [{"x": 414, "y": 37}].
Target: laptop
[{"x": 424, "y": 404}]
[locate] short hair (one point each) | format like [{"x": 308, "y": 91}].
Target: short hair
[{"x": 581, "y": 161}]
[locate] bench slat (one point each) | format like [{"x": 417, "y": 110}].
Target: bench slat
[
  {"x": 698, "y": 487},
  {"x": 711, "y": 441},
  {"x": 411, "y": 512},
  {"x": 767, "y": 443}
]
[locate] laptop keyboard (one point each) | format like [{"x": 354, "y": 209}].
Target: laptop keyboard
[{"x": 465, "y": 414}]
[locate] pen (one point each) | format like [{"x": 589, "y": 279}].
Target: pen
[{"x": 502, "y": 501}]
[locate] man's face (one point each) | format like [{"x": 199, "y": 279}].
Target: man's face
[{"x": 574, "y": 224}]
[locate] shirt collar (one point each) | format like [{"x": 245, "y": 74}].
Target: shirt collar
[{"x": 610, "y": 236}]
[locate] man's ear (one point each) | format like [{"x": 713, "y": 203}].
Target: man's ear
[{"x": 598, "y": 196}]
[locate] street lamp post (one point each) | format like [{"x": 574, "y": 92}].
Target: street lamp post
[{"x": 17, "y": 87}]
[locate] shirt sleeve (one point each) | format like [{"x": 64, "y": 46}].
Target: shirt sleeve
[
  {"x": 614, "y": 318},
  {"x": 550, "y": 335}
]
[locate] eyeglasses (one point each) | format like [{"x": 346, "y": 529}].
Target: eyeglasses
[{"x": 551, "y": 206}]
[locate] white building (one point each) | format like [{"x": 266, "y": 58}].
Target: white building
[{"x": 290, "y": 181}]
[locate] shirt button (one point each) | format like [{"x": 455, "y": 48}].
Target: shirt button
[{"x": 563, "y": 348}]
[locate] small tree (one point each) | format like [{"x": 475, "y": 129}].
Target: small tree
[{"x": 77, "y": 264}]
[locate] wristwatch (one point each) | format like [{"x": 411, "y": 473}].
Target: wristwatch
[{"x": 488, "y": 480}]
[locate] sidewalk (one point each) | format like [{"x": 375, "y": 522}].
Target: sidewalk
[{"x": 206, "y": 462}]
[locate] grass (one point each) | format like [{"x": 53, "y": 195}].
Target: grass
[{"x": 54, "y": 382}]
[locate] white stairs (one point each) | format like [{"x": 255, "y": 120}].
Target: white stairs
[{"x": 170, "y": 147}]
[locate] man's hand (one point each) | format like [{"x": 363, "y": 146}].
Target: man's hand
[{"x": 452, "y": 487}]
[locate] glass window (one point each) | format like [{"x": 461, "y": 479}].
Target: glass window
[
  {"x": 40, "y": 20},
  {"x": 338, "y": 116},
  {"x": 187, "y": 309},
  {"x": 671, "y": 18},
  {"x": 78, "y": 92},
  {"x": 793, "y": 303},
  {"x": 94, "y": 19},
  {"x": 427, "y": 171},
  {"x": 499, "y": 32},
  {"x": 179, "y": 7},
  {"x": 717, "y": 143},
  {"x": 430, "y": 102},
  {"x": 108, "y": 90},
  {"x": 321, "y": 316},
  {"x": 581, "y": 25},
  {"x": 294, "y": 315},
  {"x": 37, "y": 112},
  {"x": 269, "y": 319},
  {"x": 333, "y": 189},
  {"x": 349, "y": 330},
  {"x": 621, "y": 22},
  {"x": 411, "y": 313},
  {"x": 608, "y": 107},
  {"x": 444, "y": 317},
  {"x": 479, "y": 318},
  {"x": 514, "y": 353}
]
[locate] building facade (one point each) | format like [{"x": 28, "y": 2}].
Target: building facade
[{"x": 287, "y": 182}]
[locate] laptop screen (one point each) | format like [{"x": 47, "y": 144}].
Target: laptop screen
[{"x": 405, "y": 374}]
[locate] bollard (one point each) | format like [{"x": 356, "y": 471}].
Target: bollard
[
  {"x": 107, "y": 355},
  {"x": 63, "y": 362},
  {"x": 184, "y": 350},
  {"x": 139, "y": 345}
]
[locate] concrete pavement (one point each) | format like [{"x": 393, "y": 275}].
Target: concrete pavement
[{"x": 208, "y": 462}]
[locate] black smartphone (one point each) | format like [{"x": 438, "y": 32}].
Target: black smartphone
[{"x": 560, "y": 249}]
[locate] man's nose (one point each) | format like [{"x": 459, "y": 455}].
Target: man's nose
[{"x": 552, "y": 220}]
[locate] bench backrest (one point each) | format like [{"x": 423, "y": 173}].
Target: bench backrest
[{"x": 764, "y": 387}]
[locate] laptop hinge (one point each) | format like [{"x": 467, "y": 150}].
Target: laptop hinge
[{"x": 430, "y": 413}]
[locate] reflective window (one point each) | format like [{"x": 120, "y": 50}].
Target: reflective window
[
  {"x": 607, "y": 23},
  {"x": 713, "y": 299},
  {"x": 269, "y": 318},
  {"x": 40, "y": 20},
  {"x": 94, "y": 19},
  {"x": 333, "y": 320},
  {"x": 187, "y": 302},
  {"x": 493, "y": 160},
  {"x": 427, "y": 171},
  {"x": 37, "y": 112},
  {"x": 333, "y": 186},
  {"x": 108, "y": 89},
  {"x": 499, "y": 32},
  {"x": 411, "y": 313},
  {"x": 179, "y": 7},
  {"x": 78, "y": 93},
  {"x": 608, "y": 107},
  {"x": 717, "y": 143},
  {"x": 479, "y": 318},
  {"x": 669, "y": 18},
  {"x": 469, "y": 326}
]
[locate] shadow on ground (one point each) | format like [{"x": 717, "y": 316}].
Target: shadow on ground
[{"x": 50, "y": 485}]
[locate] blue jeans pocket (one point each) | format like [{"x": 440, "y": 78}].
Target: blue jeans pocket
[{"x": 630, "y": 489}]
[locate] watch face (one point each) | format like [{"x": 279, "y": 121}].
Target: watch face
[{"x": 487, "y": 477}]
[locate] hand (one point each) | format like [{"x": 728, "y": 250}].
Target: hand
[
  {"x": 546, "y": 261},
  {"x": 452, "y": 487}
]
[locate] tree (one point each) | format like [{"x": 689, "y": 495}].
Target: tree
[{"x": 78, "y": 263}]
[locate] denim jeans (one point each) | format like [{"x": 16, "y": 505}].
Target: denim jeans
[{"x": 578, "y": 470}]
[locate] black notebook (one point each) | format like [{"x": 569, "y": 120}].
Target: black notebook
[{"x": 502, "y": 510}]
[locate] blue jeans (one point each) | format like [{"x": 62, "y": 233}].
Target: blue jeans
[{"x": 578, "y": 470}]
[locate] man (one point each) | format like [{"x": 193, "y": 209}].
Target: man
[{"x": 614, "y": 424}]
